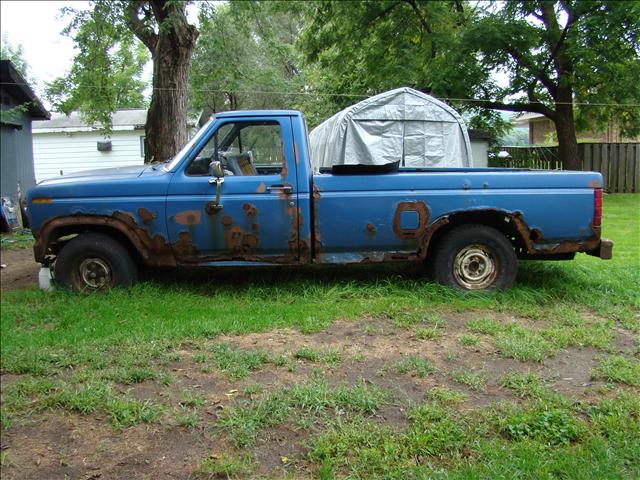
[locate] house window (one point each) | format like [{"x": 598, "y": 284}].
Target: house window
[{"x": 142, "y": 146}]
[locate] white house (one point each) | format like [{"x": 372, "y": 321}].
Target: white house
[{"x": 67, "y": 144}]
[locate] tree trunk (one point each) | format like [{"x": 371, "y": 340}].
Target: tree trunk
[
  {"x": 166, "y": 127},
  {"x": 566, "y": 132},
  {"x": 171, "y": 47}
]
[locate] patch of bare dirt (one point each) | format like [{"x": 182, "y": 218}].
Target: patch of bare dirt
[
  {"x": 21, "y": 269},
  {"x": 53, "y": 446},
  {"x": 59, "y": 445}
]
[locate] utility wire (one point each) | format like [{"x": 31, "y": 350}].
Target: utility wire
[{"x": 359, "y": 95}]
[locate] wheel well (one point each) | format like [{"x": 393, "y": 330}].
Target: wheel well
[
  {"x": 501, "y": 221},
  {"x": 63, "y": 234}
]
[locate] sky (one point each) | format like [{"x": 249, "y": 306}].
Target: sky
[{"x": 37, "y": 26}]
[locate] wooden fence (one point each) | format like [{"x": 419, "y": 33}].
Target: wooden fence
[{"x": 619, "y": 163}]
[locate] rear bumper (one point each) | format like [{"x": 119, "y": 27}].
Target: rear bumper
[{"x": 604, "y": 250}]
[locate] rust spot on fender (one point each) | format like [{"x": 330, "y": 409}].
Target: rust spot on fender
[
  {"x": 423, "y": 219},
  {"x": 261, "y": 188},
  {"x": 371, "y": 229},
  {"x": 534, "y": 240},
  {"x": 594, "y": 184},
  {"x": 146, "y": 216},
  {"x": 226, "y": 221},
  {"x": 188, "y": 217}
]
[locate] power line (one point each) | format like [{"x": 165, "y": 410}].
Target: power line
[{"x": 323, "y": 94}]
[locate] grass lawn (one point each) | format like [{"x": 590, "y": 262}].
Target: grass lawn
[
  {"x": 14, "y": 241},
  {"x": 362, "y": 372}
]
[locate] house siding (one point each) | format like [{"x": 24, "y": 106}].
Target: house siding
[
  {"x": 542, "y": 131},
  {"x": 480, "y": 153},
  {"x": 17, "y": 166},
  {"x": 72, "y": 152}
]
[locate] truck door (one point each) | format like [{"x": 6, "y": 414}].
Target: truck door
[{"x": 256, "y": 218}]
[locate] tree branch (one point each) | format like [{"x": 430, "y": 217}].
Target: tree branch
[
  {"x": 538, "y": 72},
  {"x": 536, "y": 107},
  {"x": 383, "y": 12},
  {"x": 424, "y": 23},
  {"x": 139, "y": 28}
]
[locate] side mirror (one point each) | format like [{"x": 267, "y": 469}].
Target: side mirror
[{"x": 215, "y": 169}]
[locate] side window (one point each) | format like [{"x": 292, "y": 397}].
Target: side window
[{"x": 244, "y": 148}]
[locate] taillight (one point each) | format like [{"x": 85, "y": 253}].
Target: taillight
[{"x": 597, "y": 207}]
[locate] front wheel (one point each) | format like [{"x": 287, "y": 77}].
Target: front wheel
[
  {"x": 93, "y": 262},
  {"x": 475, "y": 257}
]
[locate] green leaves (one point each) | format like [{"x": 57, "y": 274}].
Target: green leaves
[
  {"x": 245, "y": 57},
  {"x": 107, "y": 70},
  {"x": 547, "y": 53},
  {"x": 14, "y": 53}
]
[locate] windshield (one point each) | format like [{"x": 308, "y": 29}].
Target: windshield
[{"x": 180, "y": 155}]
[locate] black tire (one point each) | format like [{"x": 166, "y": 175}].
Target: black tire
[
  {"x": 474, "y": 257},
  {"x": 93, "y": 262}
]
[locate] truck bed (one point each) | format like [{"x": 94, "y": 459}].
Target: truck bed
[{"x": 357, "y": 215}]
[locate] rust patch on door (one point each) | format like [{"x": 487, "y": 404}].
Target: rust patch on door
[
  {"x": 250, "y": 210},
  {"x": 189, "y": 217},
  {"x": 238, "y": 242},
  {"x": 261, "y": 188},
  {"x": 184, "y": 247}
]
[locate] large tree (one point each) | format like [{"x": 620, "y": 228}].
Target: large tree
[
  {"x": 107, "y": 67},
  {"x": 554, "y": 55},
  {"x": 568, "y": 60}
]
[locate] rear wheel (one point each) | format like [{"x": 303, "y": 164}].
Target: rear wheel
[
  {"x": 93, "y": 262},
  {"x": 474, "y": 257}
]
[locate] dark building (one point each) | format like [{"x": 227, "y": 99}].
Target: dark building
[{"x": 19, "y": 107}]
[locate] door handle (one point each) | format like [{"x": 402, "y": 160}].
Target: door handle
[{"x": 280, "y": 189}]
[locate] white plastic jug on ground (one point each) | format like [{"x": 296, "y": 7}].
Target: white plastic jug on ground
[{"x": 44, "y": 279}]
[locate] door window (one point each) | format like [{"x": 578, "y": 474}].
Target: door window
[{"x": 244, "y": 148}]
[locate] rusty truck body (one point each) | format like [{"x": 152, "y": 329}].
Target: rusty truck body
[{"x": 243, "y": 193}]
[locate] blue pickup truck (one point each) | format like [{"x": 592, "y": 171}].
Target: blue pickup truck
[{"x": 242, "y": 193}]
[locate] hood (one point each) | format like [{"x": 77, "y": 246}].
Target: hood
[
  {"x": 142, "y": 180},
  {"x": 98, "y": 174}
]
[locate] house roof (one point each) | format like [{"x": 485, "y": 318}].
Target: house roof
[
  {"x": 124, "y": 119},
  {"x": 523, "y": 119},
  {"x": 14, "y": 83},
  {"x": 478, "y": 134}
]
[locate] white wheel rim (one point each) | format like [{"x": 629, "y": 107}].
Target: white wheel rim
[
  {"x": 475, "y": 267},
  {"x": 95, "y": 273}
]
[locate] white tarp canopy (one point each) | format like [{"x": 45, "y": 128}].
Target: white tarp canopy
[{"x": 399, "y": 125}]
